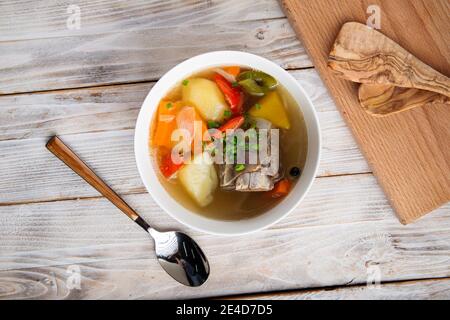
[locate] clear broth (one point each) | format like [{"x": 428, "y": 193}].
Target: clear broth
[{"x": 234, "y": 205}]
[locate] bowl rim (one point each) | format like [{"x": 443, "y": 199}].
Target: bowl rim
[{"x": 147, "y": 170}]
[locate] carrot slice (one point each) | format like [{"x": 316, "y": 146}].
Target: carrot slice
[
  {"x": 233, "y": 70},
  {"x": 280, "y": 189},
  {"x": 165, "y": 124}
]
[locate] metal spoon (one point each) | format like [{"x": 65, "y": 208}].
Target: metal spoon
[{"x": 177, "y": 253}]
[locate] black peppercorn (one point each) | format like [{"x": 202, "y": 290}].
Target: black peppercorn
[{"x": 295, "y": 172}]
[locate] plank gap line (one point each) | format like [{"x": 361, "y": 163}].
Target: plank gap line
[{"x": 325, "y": 288}]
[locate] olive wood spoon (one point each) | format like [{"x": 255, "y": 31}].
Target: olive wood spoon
[
  {"x": 383, "y": 99},
  {"x": 362, "y": 54}
]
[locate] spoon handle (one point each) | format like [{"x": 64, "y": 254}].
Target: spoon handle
[{"x": 66, "y": 155}]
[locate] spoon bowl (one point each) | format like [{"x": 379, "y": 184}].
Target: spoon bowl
[{"x": 181, "y": 257}]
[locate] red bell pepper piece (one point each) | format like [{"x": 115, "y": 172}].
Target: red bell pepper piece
[
  {"x": 233, "y": 95},
  {"x": 232, "y": 124}
]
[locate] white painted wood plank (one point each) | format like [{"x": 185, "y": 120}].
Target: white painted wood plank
[
  {"x": 75, "y": 111},
  {"x": 433, "y": 289},
  {"x": 344, "y": 226},
  {"x": 39, "y": 175},
  {"x": 33, "y": 115},
  {"x": 45, "y": 19},
  {"x": 131, "y": 56}
]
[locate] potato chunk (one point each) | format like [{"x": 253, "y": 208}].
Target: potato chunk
[
  {"x": 207, "y": 98},
  {"x": 199, "y": 179}
]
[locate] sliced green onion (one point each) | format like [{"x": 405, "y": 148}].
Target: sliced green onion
[
  {"x": 185, "y": 82},
  {"x": 213, "y": 124}
]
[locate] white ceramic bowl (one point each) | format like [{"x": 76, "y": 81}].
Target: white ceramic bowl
[{"x": 149, "y": 175}]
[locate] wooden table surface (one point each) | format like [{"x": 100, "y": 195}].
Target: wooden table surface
[{"x": 87, "y": 86}]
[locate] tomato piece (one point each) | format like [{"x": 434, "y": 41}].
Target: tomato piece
[
  {"x": 280, "y": 189},
  {"x": 233, "y": 95},
  {"x": 167, "y": 166}
]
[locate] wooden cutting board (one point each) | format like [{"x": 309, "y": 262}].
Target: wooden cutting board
[{"x": 408, "y": 152}]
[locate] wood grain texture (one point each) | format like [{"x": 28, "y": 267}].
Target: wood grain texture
[
  {"x": 334, "y": 236},
  {"x": 365, "y": 55},
  {"x": 45, "y": 19},
  {"x": 96, "y": 109},
  {"x": 433, "y": 289},
  {"x": 56, "y": 146},
  {"x": 382, "y": 100},
  {"x": 408, "y": 152},
  {"x": 344, "y": 225},
  {"x": 137, "y": 55}
]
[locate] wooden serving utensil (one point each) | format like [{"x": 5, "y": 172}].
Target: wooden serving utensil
[
  {"x": 393, "y": 79},
  {"x": 385, "y": 99}
]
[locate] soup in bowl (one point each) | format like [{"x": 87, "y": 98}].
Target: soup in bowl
[{"x": 227, "y": 142}]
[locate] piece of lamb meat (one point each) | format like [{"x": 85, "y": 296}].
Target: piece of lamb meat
[{"x": 255, "y": 177}]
